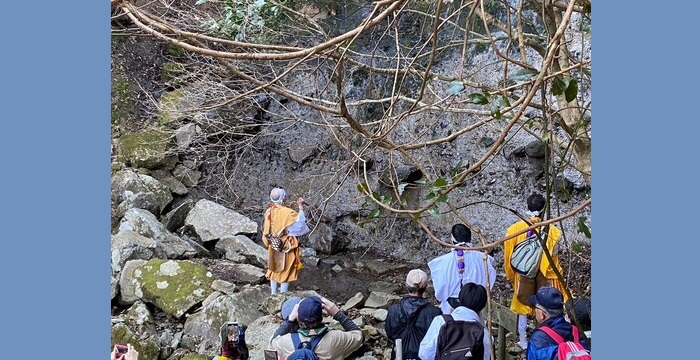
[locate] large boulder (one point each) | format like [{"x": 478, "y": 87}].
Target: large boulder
[
  {"x": 241, "y": 249},
  {"x": 211, "y": 221},
  {"x": 140, "y": 320},
  {"x": 201, "y": 331},
  {"x": 174, "y": 286},
  {"x": 129, "y": 283},
  {"x": 380, "y": 300},
  {"x": 147, "y": 347},
  {"x": 169, "y": 245},
  {"x": 175, "y": 218},
  {"x": 258, "y": 335},
  {"x": 323, "y": 240},
  {"x": 146, "y": 149},
  {"x": 130, "y": 245},
  {"x": 127, "y": 183},
  {"x": 239, "y": 273}
]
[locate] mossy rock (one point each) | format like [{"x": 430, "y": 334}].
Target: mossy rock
[
  {"x": 174, "y": 286},
  {"x": 171, "y": 72},
  {"x": 176, "y": 51},
  {"x": 170, "y": 104},
  {"x": 148, "y": 349},
  {"x": 147, "y": 149},
  {"x": 122, "y": 102}
]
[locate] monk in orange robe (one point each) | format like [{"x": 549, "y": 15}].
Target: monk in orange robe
[{"x": 287, "y": 224}]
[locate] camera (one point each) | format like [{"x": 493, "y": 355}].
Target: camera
[{"x": 122, "y": 349}]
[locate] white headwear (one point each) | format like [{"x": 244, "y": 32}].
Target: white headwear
[{"x": 281, "y": 194}]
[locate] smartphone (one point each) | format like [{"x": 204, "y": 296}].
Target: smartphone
[
  {"x": 233, "y": 332},
  {"x": 270, "y": 354},
  {"x": 121, "y": 348}
]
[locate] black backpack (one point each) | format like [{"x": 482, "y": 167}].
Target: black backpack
[
  {"x": 410, "y": 337},
  {"x": 459, "y": 339}
]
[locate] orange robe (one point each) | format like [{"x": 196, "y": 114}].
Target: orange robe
[
  {"x": 282, "y": 265},
  {"x": 545, "y": 266}
]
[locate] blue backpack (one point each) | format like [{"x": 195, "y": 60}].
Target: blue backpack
[{"x": 305, "y": 350}]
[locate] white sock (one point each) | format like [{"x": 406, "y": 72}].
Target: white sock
[
  {"x": 273, "y": 286},
  {"x": 284, "y": 288},
  {"x": 522, "y": 330}
]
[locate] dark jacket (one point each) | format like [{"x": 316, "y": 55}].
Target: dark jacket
[
  {"x": 542, "y": 347},
  {"x": 411, "y": 309}
]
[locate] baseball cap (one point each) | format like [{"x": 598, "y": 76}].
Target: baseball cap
[
  {"x": 417, "y": 278},
  {"x": 310, "y": 310},
  {"x": 548, "y": 298}
]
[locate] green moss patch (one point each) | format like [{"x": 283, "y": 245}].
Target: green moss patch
[
  {"x": 147, "y": 149},
  {"x": 174, "y": 286}
]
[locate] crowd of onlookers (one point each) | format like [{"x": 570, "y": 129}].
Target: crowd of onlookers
[{"x": 417, "y": 329}]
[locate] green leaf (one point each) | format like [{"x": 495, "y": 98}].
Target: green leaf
[
  {"x": 458, "y": 168},
  {"x": 582, "y": 228},
  {"x": 503, "y": 101},
  {"x": 385, "y": 200},
  {"x": 442, "y": 198},
  {"x": 455, "y": 171},
  {"x": 434, "y": 210},
  {"x": 455, "y": 87},
  {"x": 374, "y": 213},
  {"x": 376, "y": 196},
  {"x": 559, "y": 86},
  {"x": 401, "y": 188},
  {"x": 576, "y": 247},
  {"x": 479, "y": 98},
  {"x": 545, "y": 136},
  {"x": 439, "y": 184},
  {"x": 259, "y": 3},
  {"x": 421, "y": 181},
  {"x": 522, "y": 75},
  {"x": 571, "y": 90},
  {"x": 430, "y": 196},
  {"x": 496, "y": 112},
  {"x": 200, "y": 2}
]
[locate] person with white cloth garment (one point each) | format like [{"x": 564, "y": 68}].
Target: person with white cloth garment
[{"x": 458, "y": 267}]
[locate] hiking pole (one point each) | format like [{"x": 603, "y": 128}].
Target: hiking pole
[{"x": 399, "y": 349}]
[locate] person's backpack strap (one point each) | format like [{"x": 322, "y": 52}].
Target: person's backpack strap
[
  {"x": 553, "y": 334},
  {"x": 315, "y": 340},
  {"x": 574, "y": 333},
  {"x": 441, "y": 340},
  {"x": 296, "y": 340},
  {"x": 411, "y": 320},
  {"x": 312, "y": 343}
]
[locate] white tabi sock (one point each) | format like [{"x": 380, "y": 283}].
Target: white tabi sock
[
  {"x": 273, "y": 285},
  {"x": 284, "y": 288},
  {"x": 522, "y": 331}
]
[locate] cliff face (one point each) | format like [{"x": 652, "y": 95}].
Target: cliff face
[{"x": 234, "y": 154}]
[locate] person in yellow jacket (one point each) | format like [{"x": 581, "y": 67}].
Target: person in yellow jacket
[
  {"x": 283, "y": 266},
  {"x": 523, "y": 287}
]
